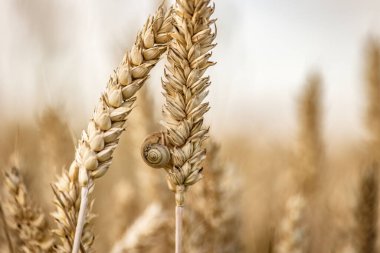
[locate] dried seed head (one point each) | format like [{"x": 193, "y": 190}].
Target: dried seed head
[{"x": 26, "y": 221}]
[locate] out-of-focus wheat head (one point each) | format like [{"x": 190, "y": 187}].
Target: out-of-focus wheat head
[
  {"x": 94, "y": 151},
  {"x": 28, "y": 224},
  {"x": 309, "y": 148},
  {"x": 372, "y": 76},
  {"x": 366, "y": 211},
  {"x": 57, "y": 147},
  {"x": 56, "y": 137},
  {"x": 292, "y": 232},
  {"x": 214, "y": 218},
  {"x": 146, "y": 233}
]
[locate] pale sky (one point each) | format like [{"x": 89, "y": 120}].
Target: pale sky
[{"x": 66, "y": 49}]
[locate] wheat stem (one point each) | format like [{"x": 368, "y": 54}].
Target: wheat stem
[
  {"x": 6, "y": 232},
  {"x": 81, "y": 219},
  {"x": 178, "y": 228}
]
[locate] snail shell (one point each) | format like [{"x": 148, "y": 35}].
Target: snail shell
[{"x": 154, "y": 152}]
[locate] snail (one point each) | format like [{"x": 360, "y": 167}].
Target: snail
[{"x": 154, "y": 152}]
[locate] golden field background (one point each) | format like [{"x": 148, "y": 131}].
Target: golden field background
[{"x": 46, "y": 97}]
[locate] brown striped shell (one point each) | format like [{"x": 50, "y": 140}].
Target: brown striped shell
[{"x": 154, "y": 152}]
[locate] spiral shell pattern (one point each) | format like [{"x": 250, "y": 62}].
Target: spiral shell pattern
[
  {"x": 154, "y": 152},
  {"x": 156, "y": 155}
]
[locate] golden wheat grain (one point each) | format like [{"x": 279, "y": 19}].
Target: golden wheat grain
[{"x": 24, "y": 217}]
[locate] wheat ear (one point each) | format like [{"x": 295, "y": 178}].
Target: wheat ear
[
  {"x": 144, "y": 231},
  {"x": 94, "y": 151},
  {"x": 292, "y": 233},
  {"x": 215, "y": 207},
  {"x": 366, "y": 211},
  {"x": 56, "y": 138},
  {"x": 27, "y": 220},
  {"x": 185, "y": 89},
  {"x": 307, "y": 165},
  {"x": 309, "y": 151},
  {"x": 373, "y": 98},
  {"x": 6, "y": 230}
]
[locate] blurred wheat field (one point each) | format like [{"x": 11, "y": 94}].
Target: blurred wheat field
[{"x": 261, "y": 192}]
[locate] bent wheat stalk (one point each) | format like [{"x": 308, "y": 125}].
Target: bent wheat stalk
[{"x": 94, "y": 151}]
